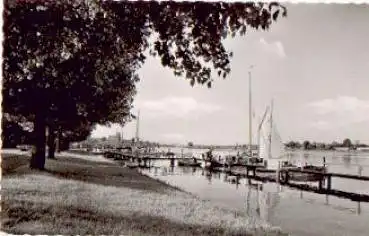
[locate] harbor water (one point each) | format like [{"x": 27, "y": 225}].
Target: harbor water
[{"x": 296, "y": 212}]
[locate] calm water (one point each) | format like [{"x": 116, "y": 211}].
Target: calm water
[{"x": 295, "y": 211}]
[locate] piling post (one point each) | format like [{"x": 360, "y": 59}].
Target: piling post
[
  {"x": 329, "y": 183},
  {"x": 172, "y": 161},
  {"x": 287, "y": 179},
  {"x": 320, "y": 184}
]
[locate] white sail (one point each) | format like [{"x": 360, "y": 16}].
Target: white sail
[
  {"x": 270, "y": 140},
  {"x": 277, "y": 146},
  {"x": 263, "y": 143},
  {"x": 271, "y": 147}
]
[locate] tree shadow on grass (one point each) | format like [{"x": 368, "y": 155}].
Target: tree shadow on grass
[
  {"x": 21, "y": 215},
  {"x": 107, "y": 174},
  {"x": 11, "y": 162}
]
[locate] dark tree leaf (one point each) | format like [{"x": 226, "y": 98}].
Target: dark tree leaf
[
  {"x": 275, "y": 15},
  {"x": 76, "y": 61}
]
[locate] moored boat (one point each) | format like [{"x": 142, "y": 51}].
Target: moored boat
[
  {"x": 272, "y": 152},
  {"x": 213, "y": 164},
  {"x": 189, "y": 162},
  {"x": 132, "y": 164}
]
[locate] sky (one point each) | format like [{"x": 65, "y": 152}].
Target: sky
[{"x": 313, "y": 64}]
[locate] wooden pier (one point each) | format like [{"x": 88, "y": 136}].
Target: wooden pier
[
  {"x": 324, "y": 182},
  {"x": 284, "y": 176}
]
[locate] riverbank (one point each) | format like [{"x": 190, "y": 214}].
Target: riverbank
[{"x": 83, "y": 196}]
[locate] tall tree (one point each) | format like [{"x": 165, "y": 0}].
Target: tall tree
[
  {"x": 347, "y": 143},
  {"x": 306, "y": 145},
  {"x": 77, "y": 60}
]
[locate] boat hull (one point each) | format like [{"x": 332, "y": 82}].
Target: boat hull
[
  {"x": 191, "y": 164},
  {"x": 213, "y": 164}
]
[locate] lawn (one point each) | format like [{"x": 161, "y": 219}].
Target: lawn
[{"x": 82, "y": 196}]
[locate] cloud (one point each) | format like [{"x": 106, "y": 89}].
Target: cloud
[
  {"x": 275, "y": 47},
  {"x": 341, "y": 104},
  {"x": 340, "y": 111},
  {"x": 173, "y": 136},
  {"x": 177, "y": 106},
  {"x": 322, "y": 125}
]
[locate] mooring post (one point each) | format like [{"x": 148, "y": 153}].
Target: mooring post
[
  {"x": 287, "y": 177},
  {"x": 254, "y": 171},
  {"x": 329, "y": 183},
  {"x": 172, "y": 161},
  {"x": 320, "y": 184},
  {"x": 145, "y": 162}
]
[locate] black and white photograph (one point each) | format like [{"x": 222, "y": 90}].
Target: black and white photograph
[{"x": 163, "y": 118}]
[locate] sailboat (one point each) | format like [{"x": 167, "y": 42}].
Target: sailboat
[
  {"x": 271, "y": 147},
  {"x": 271, "y": 151},
  {"x": 250, "y": 156}
]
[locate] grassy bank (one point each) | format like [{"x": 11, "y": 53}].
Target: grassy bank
[{"x": 79, "y": 196}]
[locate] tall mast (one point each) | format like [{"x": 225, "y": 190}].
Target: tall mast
[
  {"x": 138, "y": 126},
  {"x": 270, "y": 131},
  {"x": 250, "y": 114}
]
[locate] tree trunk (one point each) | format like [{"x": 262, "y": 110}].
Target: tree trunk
[
  {"x": 38, "y": 153},
  {"x": 58, "y": 144},
  {"x": 51, "y": 143}
]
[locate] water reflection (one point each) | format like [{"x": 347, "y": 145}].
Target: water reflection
[
  {"x": 267, "y": 198},
  {"x": 281, "y": 206},
  {"x": 346, "y": 158},
  {"x": 266, "y": 201}
]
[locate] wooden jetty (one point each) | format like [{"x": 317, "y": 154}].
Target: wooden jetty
[
  {"x": 285, "y": 176},
  {"x": 324, "y": 182}
]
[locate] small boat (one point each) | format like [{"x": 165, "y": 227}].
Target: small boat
[
  {"x": 314, "y": 168},
  {"x": 132, "y": 164},
  {"x": 213, "y": 164},
  {"x": 189, "y": 162},
  {"x": 108, "y": 154},
  {"x": 232, "y": 179},
  {"x": 271, "y": 150}
]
